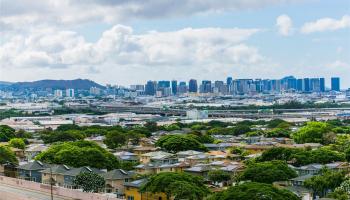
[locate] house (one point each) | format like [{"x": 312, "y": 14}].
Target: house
[
  {"x": 19, "y": 153},
  {"x": 154, "y": 168},
  {"x": 127, "y": 156},
  {"x": 32, "y": 171},
  {"x": 200, "y": 170},
  {"x": 218, "y": 147},
  {"x": 146, "y": 157},
  {"x": 115, "y": 180},
  {"x": 184, "y": 154},
  {"x": 315, "y": 168},
  {"x": 203, "y": 158},
  {"x": 142, "y": 150},
  {"x": 8, "y": 169},
  {"x": 33, "y": 150},
  {"x": 70, "y": 175},
  {"x": 132, "y": 191},
  {"x": 299, "y": 181},
  {"x": 54, "y": 174}
]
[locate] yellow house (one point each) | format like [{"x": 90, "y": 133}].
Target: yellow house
[{"x": 132, "y": 192}]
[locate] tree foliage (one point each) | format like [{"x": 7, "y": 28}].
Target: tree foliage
[
  {"x": 313, "y": 132},
  {"x": 89, "y": 182},
  {"x": 300, "y": 157},
  {"x": 6, "y": 133},
  {"x": 78, "y": 154},
  {"x": 61, "y": 136},
  {"x": 256, "y": 191},
  {"x": 17, "y": 143},
  {"x": 325, "y": 181},
  {"x": 7, "y": 155},
  {"x": 115, "y": 139},
  {"x": 177, "y": 185},
  {"x": 176, "y": 143},
  {"x": 219, "y": 176},
  {"x": 268, "y": 172}
]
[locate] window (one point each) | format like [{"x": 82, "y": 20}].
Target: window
[{"x": 130, "y": 197}]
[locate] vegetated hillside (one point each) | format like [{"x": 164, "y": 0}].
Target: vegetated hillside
[{"x": 83, "y": 84}]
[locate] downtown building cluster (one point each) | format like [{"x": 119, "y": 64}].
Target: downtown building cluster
[{"x": 237, "y": 86}]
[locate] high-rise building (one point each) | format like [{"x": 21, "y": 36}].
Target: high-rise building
[
  {"x": 306, "y": 85},
  {"x": 174, "y": 87},
  {"x": 335, "y": 83},
  {"x": 315, "y": 85},
  {"x": 163, "y": 84},
  {"x": 192, "y": 86},
  {"x": 206, "y": 86},
  {"x": 70, "y": 92},
  {"x": 322, "y": 85},
  {"x": 300, "y": 84},
  {"x": 58, "y": 93},
  {"x": 151, "y": 87},
  {"x": 182, "y": 88},
  {"x": 229, "y": 81},
  {"x": 95, "y": 91}
]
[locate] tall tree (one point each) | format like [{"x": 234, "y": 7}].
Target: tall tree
[
  {"x": 254, "y": 191},
  {"x": 89, "y": 182},
  {"x": 268, "y": 172},
  {"x": 177, "y": 186},
  {"x": 7, "y": 156}
]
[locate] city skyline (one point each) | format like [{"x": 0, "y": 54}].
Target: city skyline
[{"x": 162, "y": 40}]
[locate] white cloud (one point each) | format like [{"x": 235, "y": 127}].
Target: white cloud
[
  {"x": 284, "y": 24},
  {"x": 326, "y": 24},
  {"x": 199, "y": 50},
  {"x": 17, "y": 14}
]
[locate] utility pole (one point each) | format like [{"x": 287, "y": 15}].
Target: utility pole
[{"x": 51, "y": 183}]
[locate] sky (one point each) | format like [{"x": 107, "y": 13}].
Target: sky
[{"x": 127, "y": 42}]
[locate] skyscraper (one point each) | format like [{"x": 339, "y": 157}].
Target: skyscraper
[
  {"x": 335, "y": 83},
  {"x": 206, "y": 86},
  {"x": 192, "y": 86},
  {"x": 229, "y": 81},
  {"x": 69, "y": 92},
  {"x": 306, "y": 85},
  {"x": 300, "y": 84},
  {"x": 322, "y": 85},
  {"x": 150, "y": 88},
  {"x": 174, "y": 87}
]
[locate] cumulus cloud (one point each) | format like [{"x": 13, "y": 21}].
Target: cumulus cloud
[
  {"x": 120, "y": 46},
  {"x": 16, "y": 14},
  {"x": 326, "y": 24},
  {"x": 284, "y": 24}
]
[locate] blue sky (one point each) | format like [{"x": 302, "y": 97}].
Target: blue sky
[{"x": 129, "y": 42}]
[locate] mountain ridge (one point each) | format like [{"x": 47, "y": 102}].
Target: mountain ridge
[{"x": 83, "y": 84}]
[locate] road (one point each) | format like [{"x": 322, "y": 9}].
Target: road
[{"x": 30, "y": 194}]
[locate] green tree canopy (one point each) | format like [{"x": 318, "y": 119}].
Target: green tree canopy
[
  {"x": 176, "y": 143},
  {"x": 177, "y": 185},
  {"x": 6, "y": 133},
  {"x": 312, "y": 132},
  {"x": 78, "y": 154},
  {"x": 61, "y": 136},
  {"x": 326, "y": 180},
  {"x": 254, "y": 191},
  {"x": 7, "y": 155},
  {"x": 115, "y": 139},
  {"x": 300, "y": 157},
  {"x": 268, "y": 172},
  {"x": 17, "y": 143},
  {"x": 219, "y": 176},
  {"x": 89, "y": 182}
]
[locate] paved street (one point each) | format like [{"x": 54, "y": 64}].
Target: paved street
[{"x": 30, "y": 194}]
